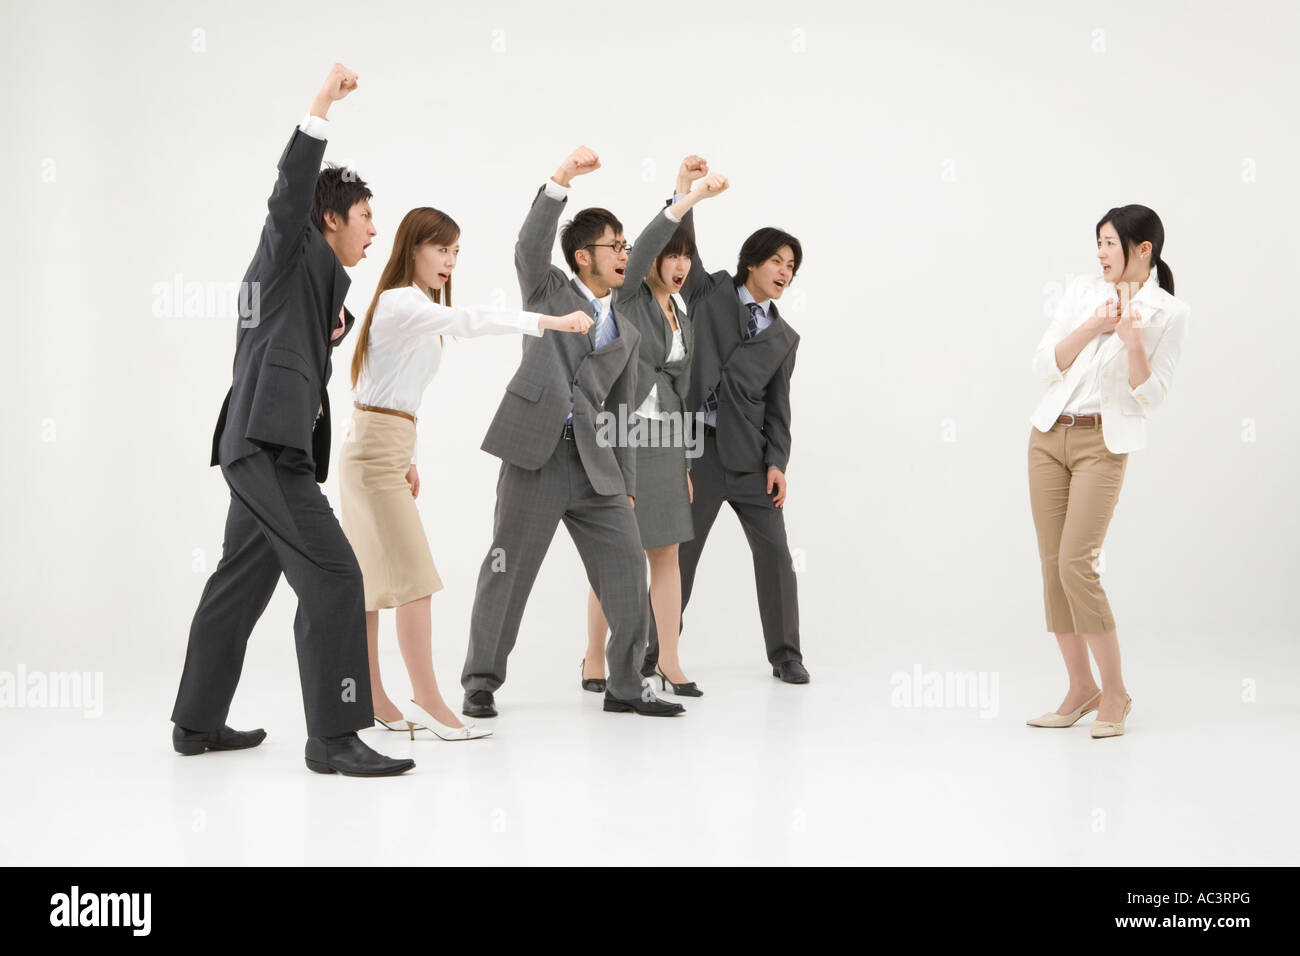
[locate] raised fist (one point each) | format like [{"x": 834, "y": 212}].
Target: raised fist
[
  {"x": 710, "y": 185},
  {"x": 340, "y": 82},
  {"x": 580, "y": 162},
  {"x": 693, "y": 168}
]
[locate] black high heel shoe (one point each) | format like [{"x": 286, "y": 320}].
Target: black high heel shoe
[
  {"x": 594, "y": 684},
  {"x": 681, "y": 690}
]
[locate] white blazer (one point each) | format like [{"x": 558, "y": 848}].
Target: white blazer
[{"x": 1162, "y": 322}]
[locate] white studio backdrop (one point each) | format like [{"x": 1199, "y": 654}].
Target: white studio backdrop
[{"x": 943, "y": 164}]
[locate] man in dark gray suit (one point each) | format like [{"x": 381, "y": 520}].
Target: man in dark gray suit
[
  {"x": 557, "y": 462},
  {"x": 273, "y": 449},
  {"x": 740, "y": 384}
]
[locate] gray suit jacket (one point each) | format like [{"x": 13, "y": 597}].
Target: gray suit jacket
[
  {"x": 752, "y": 376},
  {"x": 562, "y": 372},
  {"x": 636, "y": 303}
]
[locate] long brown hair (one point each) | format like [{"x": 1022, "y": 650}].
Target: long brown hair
[{"x": 421, "y": 225}]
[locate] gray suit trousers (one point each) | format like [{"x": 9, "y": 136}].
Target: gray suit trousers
[
  {"x": 764, "y": 527},
  {"x": 530, "y": 505}
]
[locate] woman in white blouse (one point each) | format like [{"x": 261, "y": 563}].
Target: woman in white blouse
[
  {"x": 397, "y": 354},
  {"x": 1108, "y": 359}
]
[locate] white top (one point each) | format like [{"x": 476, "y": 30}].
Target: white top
[
  {"x": 1086, "y": 397},
  {"x": 405, "y": 351},
  {"x": 1097, "y": 380},
  {"x": 650, "y": 408}
]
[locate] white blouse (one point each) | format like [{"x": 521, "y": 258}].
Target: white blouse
[
  {"x": 405, "y": 351},
  {"x": 1086, "y": 398},
  {"x": 651, "y": 408}
]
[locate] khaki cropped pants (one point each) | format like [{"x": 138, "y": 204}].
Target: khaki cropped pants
[{"x": 1074, "y": 483}]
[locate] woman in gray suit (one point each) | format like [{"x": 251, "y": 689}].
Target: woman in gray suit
[{"x": 663, "y": 499}]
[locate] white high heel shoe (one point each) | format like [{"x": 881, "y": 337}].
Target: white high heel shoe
[
  {"x": 401, "y": 725},
  {"x": 428, "y": 722},
  {"x": 1067, "y": 720}
]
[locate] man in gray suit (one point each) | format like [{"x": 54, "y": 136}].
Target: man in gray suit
[{"x": 554, "y": 465}]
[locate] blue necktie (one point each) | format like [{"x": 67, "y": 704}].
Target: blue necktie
[
  {"x": 605, "y": 330},
  {"x": 751, "y": 330}
]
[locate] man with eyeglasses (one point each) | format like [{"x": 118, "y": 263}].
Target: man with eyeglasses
[{"x": 553, "y": 466}]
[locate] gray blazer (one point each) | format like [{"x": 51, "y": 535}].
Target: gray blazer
[
  {"x": 752, "y": 376},
  {"x": 562, "y": 371},
  {"x": 635, "y": 302}
]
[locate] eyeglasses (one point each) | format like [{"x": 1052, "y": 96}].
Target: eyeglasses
[{"x": 616, "y": 246}]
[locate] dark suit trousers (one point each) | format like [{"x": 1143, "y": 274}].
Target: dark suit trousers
[
  {"x": 764, "y": 526},
  {"x": 279, "y": 520},
  {"x": 530, "y": 506}
]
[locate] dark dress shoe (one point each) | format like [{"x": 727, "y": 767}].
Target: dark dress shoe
[
  {"x": 479, "y": 703},
  {"x": 594, "y": 684},
  {"x": 648, "y": 708},
  {"x": 792, "y": 672},
  {"x": 346, "y": 754},
  {"x": 191, "y": 742}
]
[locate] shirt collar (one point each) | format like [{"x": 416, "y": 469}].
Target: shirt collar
[
  {"x": 1149, "y": 299},
  {"x": 591, "y": 296},
  {"x": 746, "y": 298}
]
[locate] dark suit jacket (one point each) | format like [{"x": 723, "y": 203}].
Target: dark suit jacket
[
  {"x": 752, "y": 376},
  {"x": 282, "y": 353},
  {"x": 563, "y": 371}
]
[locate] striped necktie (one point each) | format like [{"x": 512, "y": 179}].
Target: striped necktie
[{"x": 605, "y": 330}]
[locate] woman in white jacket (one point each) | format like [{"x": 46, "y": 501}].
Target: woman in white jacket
[
  {"x": 399, "y": 348},
  {"x": 1107, "y": 359}
]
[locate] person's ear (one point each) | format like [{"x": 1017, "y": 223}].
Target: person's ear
[
  {"x": 582, "y": 257},
  {"x": 1144, "y": 250},
  {"x": 331, "y": 220}
]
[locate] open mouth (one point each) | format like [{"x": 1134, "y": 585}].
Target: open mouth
[
  {"x": 780, "y": 283},
  {"x": 677, "y": 281},
  {"x": 444, "y": 276},
  {"x": 619, "y": 272}
]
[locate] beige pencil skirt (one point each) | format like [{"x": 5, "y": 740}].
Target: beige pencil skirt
[{"x": 379, "y": 515}]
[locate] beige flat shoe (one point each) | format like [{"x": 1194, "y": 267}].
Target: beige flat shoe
[
  {"x": 1111, "y": 728},
  {"x": 1066, "y": 720}
]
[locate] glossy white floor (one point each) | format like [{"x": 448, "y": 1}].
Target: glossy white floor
[{"x": 839, "y": 771}]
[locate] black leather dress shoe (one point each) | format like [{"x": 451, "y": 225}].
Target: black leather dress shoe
[
  {"x": 654, "y": 707},
  {"x": 792, "y": 672},
  {"x": 346, "y": 754},
  {"x": 479, "y": 703},
  {"x": 191, "y": 742}
]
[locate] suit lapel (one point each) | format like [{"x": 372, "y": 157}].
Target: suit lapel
[{"x": 338, "y": 292}]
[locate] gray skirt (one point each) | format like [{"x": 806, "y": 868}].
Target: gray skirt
[{"x": 663, "y": 505}]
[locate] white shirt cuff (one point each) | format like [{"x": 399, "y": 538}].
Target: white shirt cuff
[
  {"x": 669, "y": 214},
  {"x": 533, "y": 323},
  {"x": 555, "y": 190},
  {"x": 317, "y": 127}
]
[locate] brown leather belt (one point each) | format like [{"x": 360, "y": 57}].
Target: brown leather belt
[
  {"x": 1087, "y": 421},
  {"x": 384, "y": 411}
]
